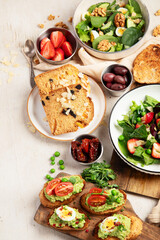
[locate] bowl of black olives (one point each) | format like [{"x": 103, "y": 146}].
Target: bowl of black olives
[{"x": 116, "y": 79}]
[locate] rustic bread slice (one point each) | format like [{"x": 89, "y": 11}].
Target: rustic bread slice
[
  {"x": 135, "y": 231},
  {"x": 146, "y": 66},
  {"x": 68, "y": 108},
  {"x": 68, "y": 228},
  {"x": 46, "y": 203},
  {"x": 109, "y": 211},
  {"x": 61, "y": 77}
]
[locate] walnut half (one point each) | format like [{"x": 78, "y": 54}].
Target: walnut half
[
  {"x": 104, "y": 45},
  {"x": 119, "y": 20}
]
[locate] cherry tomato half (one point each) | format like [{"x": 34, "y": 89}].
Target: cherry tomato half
[
  {"x": 51, "y": 186},
  {"x": 63, "y": 189},
  {"x": 95, "y": 190},
  {"x": 96, "y": 200}
]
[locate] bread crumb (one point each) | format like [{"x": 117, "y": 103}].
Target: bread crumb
[
  {"x": 51, "y": 17},
  {"x": 70, "y": 19},
  {"x": 157, "y": 13},
  {"x": 61, "y": 25},
  {"x": 30, "y": 127},
  {"x": 41, "y": 25},
  {"x": 156, "y": 31}
]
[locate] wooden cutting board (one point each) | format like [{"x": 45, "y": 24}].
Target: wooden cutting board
[
  {"x": 149, "y": 232},
  {"x": 135, "y": 181}
]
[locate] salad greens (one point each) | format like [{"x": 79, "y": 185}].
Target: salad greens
[
  {"x": 140, "y": 140},
  {"x": 101, "y": 21},
  {"x": 99, "y": 174}
]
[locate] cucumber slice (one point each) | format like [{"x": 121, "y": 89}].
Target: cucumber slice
[
  {"x": 97, "y": 21},
  {"x": 140, "y": 25},
  {"x": 104, "y": 5},
  {"x": 104, "y": 37},
  {"x": 110, "y": 33},
  {"x": 130, "y": 23},
  {"x": 113, "y": 49},
  {"x": 111, "y": 18},
  {"x": 107, "y": 25}
]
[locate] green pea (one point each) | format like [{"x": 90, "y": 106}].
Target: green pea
[
  {"x": 118, "y": 200},
  {"x": 148, "y": 151},
  {"x": 51, "y": 178},
  {"x": 53, "y": 162},
  {"x": 52, "y": 170},
  {"x": 64, "y": 180},
  {"x": 134, "y": 121},
  {"x": 48, "y": 176},
  {"x": 114, "y": 192},
  {"x": 62, "y": 167},
  {"x": 143, "y": 113},
  {"x": 52, "y": 158},
  {"x": 61, "y": 162},
  {"x": 57, "y": 154},
  {"x": 138, "y": 119},
  {"x": 121, "y": 138}
]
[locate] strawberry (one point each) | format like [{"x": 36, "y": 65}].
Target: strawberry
[
  {"x": 158, "y": 123},
  {"x": 59, "y": 55},
  {"x": 44, "y": 40},
  {"x": 131, "y": 144},
  {"x": 63, "y": 40},
  {"x": 67, "y": 48},
  {"x": 137, "y": 125},
  {"x": 147, "y": 118},
  {"x": 56, "y": 38},
  {"x": 156, "y": 150},
  {"x": 48, "y": 50}
]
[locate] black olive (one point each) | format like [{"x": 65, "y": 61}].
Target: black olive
[
  {"x": 72, "y": 91},
  {"x": 72, "y": 114},
  {"x": 51, "y": 80},
  {"x": 47, "y": 98},
  {"x": 64, "y": 111},
  {"x": 78, "y": 86},
  {"x": 43, "y": 103}
]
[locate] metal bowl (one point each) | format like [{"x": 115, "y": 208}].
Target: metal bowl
[
  {"x": 100, "y": 149},
  {"x": 117, "y": 93},
  {"x": 84, "y": 5},
  {"x": 70, "y": 38}
]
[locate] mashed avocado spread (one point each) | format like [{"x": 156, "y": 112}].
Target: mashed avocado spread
[
  {"x": 78, "y": 222},
  {"x": 77, "y": 187},
  {"x": 114, "y": 199},
  {"x": 118, "y": 227}
]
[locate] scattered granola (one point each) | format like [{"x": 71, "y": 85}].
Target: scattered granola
[
  {"x": 41, "y": 25},
  {"x": 156, "y": 31},
  {"x": 62, "y": 25},
  {"x": 157, "y": 13},
  {"x": 70, "y": 19},
  {"x": 51, "y": 17}
]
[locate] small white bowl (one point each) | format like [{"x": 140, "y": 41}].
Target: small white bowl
[{"x": 89, "y": 136}]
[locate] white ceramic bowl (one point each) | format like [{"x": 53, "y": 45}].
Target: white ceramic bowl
[
  {"x": 121, "y": 108},
  {"x": 83, "y": 7}
]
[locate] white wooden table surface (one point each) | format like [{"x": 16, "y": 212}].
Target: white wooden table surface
[{"x": 24, "y": 155}]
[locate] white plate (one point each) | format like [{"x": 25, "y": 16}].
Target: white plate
[
  {"x": 36, "y": 113},
  {"x": 121, "y": 108}
]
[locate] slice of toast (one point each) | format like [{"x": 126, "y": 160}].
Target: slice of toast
[
  {"x": 109, "y": 211},
  {"x": 67, "y": 108},
  {"x": 135, "y": 231},
  {"x": 146, "y": 66},
  {"x": 68, "y": 228},
  {"x": 61, "y": 77},
  {"x": 46, "y": 203}
]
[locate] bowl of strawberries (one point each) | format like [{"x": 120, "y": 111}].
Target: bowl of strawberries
[{"x": 56, "y": 45}]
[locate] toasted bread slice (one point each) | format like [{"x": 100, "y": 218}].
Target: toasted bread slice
[
  {"x": 109, "y": 211},
  {"x": 68, "y": 228},
  {"x": 46, "y": 203},
  {"x": 146, "y": 66},
  {"x": 135, "y": 231},
  {"x": 67, "y": 109},
  {"x": 63, "y": 76}
]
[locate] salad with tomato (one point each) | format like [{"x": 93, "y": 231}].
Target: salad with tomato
[
  {"x": 140, "y": 140},
  {"x": 60, "y": 189}
]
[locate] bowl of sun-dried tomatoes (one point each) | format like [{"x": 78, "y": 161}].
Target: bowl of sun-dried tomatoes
[{"x": 86, "y": 149}]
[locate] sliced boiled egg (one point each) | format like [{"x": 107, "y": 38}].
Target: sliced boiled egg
[
  {"x": 83, "y": 15},
  {"x": 120, "y": 31},
  {"x": 66, "y": 213},
  {"x": 108, "y": 224},
  {"x": 122, "y": 10},
  {"x": 93, "y": 35}
]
